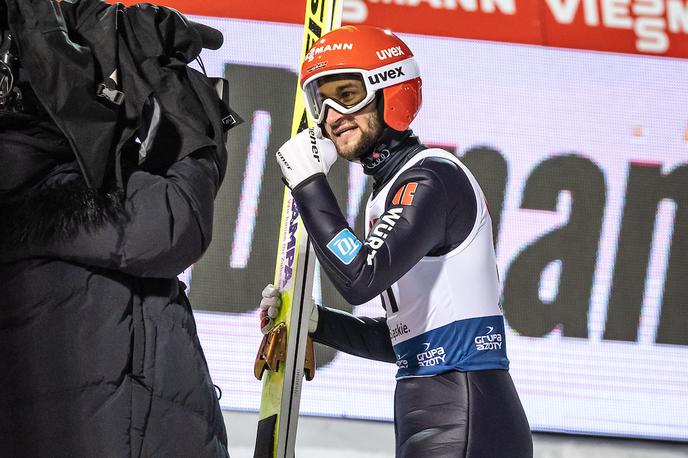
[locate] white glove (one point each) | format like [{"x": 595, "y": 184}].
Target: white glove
[
  {"x": 270, "y": 306},
  {"x": 304, "y": 155}
]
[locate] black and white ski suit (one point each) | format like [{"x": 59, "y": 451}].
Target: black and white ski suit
[{"x": 429, "y": 254}]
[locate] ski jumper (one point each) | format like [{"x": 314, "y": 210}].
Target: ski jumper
[{"x": 429, "y": 254}]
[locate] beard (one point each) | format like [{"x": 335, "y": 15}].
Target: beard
[{"x": 370, "y": 134}]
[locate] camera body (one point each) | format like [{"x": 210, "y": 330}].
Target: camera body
[{"x": 10, "y": 95}]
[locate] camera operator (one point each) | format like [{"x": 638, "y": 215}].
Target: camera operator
[{"x": 111, "y": 154}]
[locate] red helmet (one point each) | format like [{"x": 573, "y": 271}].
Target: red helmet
[{"x": 370, "y": 59}]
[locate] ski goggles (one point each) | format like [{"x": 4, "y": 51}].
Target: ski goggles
[{"x": 348, "y": 91}]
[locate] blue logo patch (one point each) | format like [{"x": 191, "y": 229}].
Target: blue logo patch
[{"x": 345, "y": 246}]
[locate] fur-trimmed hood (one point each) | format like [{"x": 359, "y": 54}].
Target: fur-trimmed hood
[{"x": 56, "y": 210}]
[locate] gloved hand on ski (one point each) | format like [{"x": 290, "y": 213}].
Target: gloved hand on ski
[
  {"x": 304, "y": 155},
  {"x": 270, "y": 305}
]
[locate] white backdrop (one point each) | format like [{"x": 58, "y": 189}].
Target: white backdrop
[{"x": 531, "y": 104}]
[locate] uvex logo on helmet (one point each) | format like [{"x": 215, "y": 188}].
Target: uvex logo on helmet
[
  {"x": 388, "y": 53},
  {"x": 314, "y": 51},
  {"x": 382, "y": 77}
]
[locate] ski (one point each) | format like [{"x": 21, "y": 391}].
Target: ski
[{"x": 286, "y": 353}]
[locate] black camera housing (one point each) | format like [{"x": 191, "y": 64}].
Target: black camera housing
[{"x": 10, "y": 95}]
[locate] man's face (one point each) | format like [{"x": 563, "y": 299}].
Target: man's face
[{"x": 353, "y": 134}]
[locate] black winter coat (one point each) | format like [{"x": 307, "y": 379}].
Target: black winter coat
[
  {"x": 99, "y": 351},
  {"x": 100, "y": 356}
]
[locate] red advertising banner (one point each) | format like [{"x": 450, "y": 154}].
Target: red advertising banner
[
  {"x": 290, "y": 11},
  {"x": 654, "y": 27},
  {"x": 651, "y": 27},
  {"x": 493, "y": 20}
]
